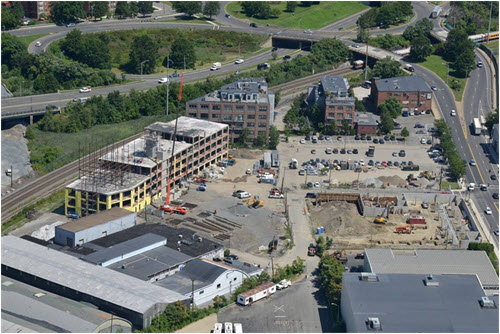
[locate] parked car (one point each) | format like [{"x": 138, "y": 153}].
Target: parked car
[
  {"x": 239, "y": 61},
  {"x": 254, "y": 25},
  {"x": 313, "y": 151},
  {"x": 287, "y": 57},
  {"x": 302, "y": 141}
]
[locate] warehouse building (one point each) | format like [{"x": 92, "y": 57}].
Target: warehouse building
[
  {"x": 132, "y": 175},
  {"x": 113, "y": 292},
  {"x": 411, "y": 91},
  {"x": 202, "y": 280},
  {"x": 243, "y": 104},
  {"x": 388, "y": 261},
  {"x": 416, "y": 303},
  {"x": 89, "y": 228}
]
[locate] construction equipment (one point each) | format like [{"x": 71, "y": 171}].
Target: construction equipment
[
  {"x": 255, "y": 202},
  {"x": 427, "y": 175},
  {"x": 273, "y": 245},
  {"x": 380, "y": 220},
  {"x": 230, "y": 157},
  {"x": 294, "y": 164},
  {"x": 276, "y": 193},
  {"x": 407, "y": 229},
  {"x": 411, "y": 178},
  {"x": 311, "y": 250}
]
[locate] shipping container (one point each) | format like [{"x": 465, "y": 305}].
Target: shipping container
[{"x": 416, "y": 220}]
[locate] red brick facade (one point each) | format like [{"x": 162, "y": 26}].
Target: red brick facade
[{"x": 411, "y": 100}]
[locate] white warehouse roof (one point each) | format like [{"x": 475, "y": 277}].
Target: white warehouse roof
[{"x": 65, "y": 270}]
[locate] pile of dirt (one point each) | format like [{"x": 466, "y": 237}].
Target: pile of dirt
[
  {"x": 246, "y": 154},
  {"x": 393, "y": 180},
  {"x": 237, "y": 179},
  {"x": 341, "y": 219}
]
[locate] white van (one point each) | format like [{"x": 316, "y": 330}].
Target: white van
[
  {"x": 217, "y": 328},
  {"x": 215, "y": 66},
  {"x": 237, "y": 328},
  {"x": 228, "y": 327},
  {"x": 244, "y": 194}
]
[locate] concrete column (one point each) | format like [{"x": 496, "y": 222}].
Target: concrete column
[
  {"x": 108, "y": 203},
  {"x": 121, "y": 200}
]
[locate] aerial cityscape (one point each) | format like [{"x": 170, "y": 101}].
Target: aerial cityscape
[{"x": 250, "y": 166}]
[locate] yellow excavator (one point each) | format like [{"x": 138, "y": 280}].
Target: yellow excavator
[
  {"x": 380, "y": 220},
  {"x": 255, "y": 202}
]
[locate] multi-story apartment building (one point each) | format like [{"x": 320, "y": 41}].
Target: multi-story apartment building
[
  {"x": 246, "y": 103},
  {"x": 33, "y": 9},
  {"x": 411, "y": 91},
  {"x": 332, "y": 96},
  {"x": 132, "y": 175}
]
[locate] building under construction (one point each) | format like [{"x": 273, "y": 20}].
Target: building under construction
[{"x": 130, "y": 176}]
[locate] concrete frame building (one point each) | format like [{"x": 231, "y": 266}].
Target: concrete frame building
[
  {"x": 245, "y": 103},
  {"x": 133, "y": 175},
  {"x": 422, "y": 261},
  {"x": 62, "y": 274},
  {"x": 89, "y": 228},
  {"x": 411, "y": 91},
  {"x": 332, "y": 96},
  {"x": 416, "y": 303}
]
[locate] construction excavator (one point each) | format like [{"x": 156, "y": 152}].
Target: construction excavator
[
  {"x": 167, "y": 208},
  {"x": 380, "y": 220},
  {"x": 255, "y": 202}
]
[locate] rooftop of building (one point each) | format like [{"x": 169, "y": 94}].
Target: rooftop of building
[
  {"x": 188, "y": 127},
  {"x": 182, "y": 239},
  {"x": 245, "y": 86},
  {"x": 407, "y": 303},
  {"x": 411, "y": 83},
  {"x": 134, "y": 152},
  {"x": 334, "y": 84},
  {"x": 68, "y": 271},
  {"x": 364, "y": 118},
  {"x": 386, "y": 260},
  {"x": 96, "y": 219},
  {"x": 146, "y": 265},
  {"x": 42, "y": 311},
  {"x": 108, "y": 183}
]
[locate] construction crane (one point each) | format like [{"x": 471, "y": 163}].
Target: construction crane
[{"x": 167, "y": 208}]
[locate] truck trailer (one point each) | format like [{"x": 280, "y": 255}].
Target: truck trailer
[
  {"x": 477, "y": 128},
  {"x": 253, "y": 295}
]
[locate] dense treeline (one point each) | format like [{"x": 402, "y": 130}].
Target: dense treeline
[
  {"x": 473, "y": 16},
  {"x": 457, "y": 166},
  {"x": 12, "y": 16},
  {"x": 390, "y": 13}
]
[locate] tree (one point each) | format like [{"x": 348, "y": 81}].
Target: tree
[
  {"x": 187, "y": 7},
  {"x": 275, "y": 12},
  {"x": 63, "y": 12},
  {"x": 98, "y": 9},
  {"x": 143, "y": 49},
  {"x": 421, "y": 28},
  {"x": 260, "y": 9},
  {"x": 331, "y": 128},
  {"x": 212, "y": 8},
  {"x": 464, "y": 63},
  {"x": 17, "y": 10},
  {"x": 421, "y": 48},
  {"x": 457, "y": 42},
  {"x": 291, "y": 6},
  {"x": 122, "y": 9},
  {"x": 14, "y": 51},
  {"x": 386, "y": 121},
  {"x": 330, "y": 50},
  {"x": 244, "y": 136},
  {"x": 226, "y": 252},
  {"x": 491, "y": 119},
  {"x": 405, "y": 132},
  {"x": 9, "y": 19},
  {"x": 182, "y": 49},
  {"x": 392, "y": 106},
  {"x": 133, "y": 7},
  {"x": 359, "y": 105},
  {"x": 145, "y": 7},
  {"x": 261, "y": 139},
  {"x": 274, "y": 137},
  {"x": 387, "y": 68},
  {"x": 362, "y": 35},
  {"x": 95, "y": 53}
]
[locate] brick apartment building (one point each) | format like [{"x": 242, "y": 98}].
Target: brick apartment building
[
  {"x": 33, "y": 9},
  {"x": 366, "y": 124},
  {"x": 332, "y": 96},
  {"x": 411, "y": 91},
  {"x": 246, "y": 103}
]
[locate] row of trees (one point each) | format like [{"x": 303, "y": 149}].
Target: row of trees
[
  {"x": 190, "y": 8},
  {"x": 389, "y": 110},
  {"x": 473, "y": 16},
  {"x": 12, "y": 16},
  {"x": 457, "y": 166},
  {"x": 390, "y": 13},
  {"x": 264, "y": 10},
  {"x": 459, "y": 50}
]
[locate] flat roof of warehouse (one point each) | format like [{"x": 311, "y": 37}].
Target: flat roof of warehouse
[
  {"x": 96, "y": 219},
  {"x": 99, "y": 282},
  {"x": 188, "y": 127}
]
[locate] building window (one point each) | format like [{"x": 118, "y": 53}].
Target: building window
[
  {"x": 348, "y": 116},
  {"x": 262, "y": 132},
  {"x": 262, "y": 125},
  {"x": 414, "y": 101},
  {"x": 204, "y": 106},
  {"x": 250, "y": 116},
  {"x": 240, "y": 108},
  {"x": 216, "y": 116},
  {"x": 251, "y": 132},
  {"x": 262, "y": 116},
  {"x": 227, "y": 117},
  {"x": 204, "y": 116},
  {"x": 389, "y": 94},
  {"x": 340, "y": 107},
  {"x": 191, "y": 114},
  {"x": 349, "y": 108},
  {"x": 331, "y": 115},
  {"x": 262, "y": 108},
  {"x": 414, "y": 94},
  {"x": 201, "y": 292},
  {"x": 228, "y": 108},
  {"x": 250, "y": 124},
  {"x": 397, "y": 94},
  {"x": 340, "y": 115},
  {"x": 250, "y": 108},
  {"x": 215, "y": 107},
  {"x": 192, "y": 106},
  {"x": 218, "y": 286}
]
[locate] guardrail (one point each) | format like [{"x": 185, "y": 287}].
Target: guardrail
[
  {"x": 495, "y": 64},
  {"x": 14, "y": 113}
]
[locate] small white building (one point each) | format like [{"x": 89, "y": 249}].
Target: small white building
[
  {"x": 207, "y": 279},
  {"x": 262, "y": 291}
]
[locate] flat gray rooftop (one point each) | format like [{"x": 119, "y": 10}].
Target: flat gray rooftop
[
  {"x": 410, "y": 83},
  {"x": 188, "y": 127},
  {"x": 404, "y": 304},
  {"x": 102, "y": 186},
  {"x": 388, "y": 261},
  {"x": 365, "y": 118},
  {"x": 99, "y": 282},
  {"x": 99, "y": 218},
  {"x": 42, "y": 311},
  {"x": 334, "y": 84}
]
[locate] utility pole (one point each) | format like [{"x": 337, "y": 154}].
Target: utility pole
[
  {"x": 184, "y": 63},
  {"x": 272, "y": 266},
  {"x": 366, "y": 55},
  {"x": 142, "y": 63},
  {"x": 440, "y": 178},
  {"x": 11, "y": 172},
  {"x": 168, "y": 78},
  {"x": 489, "y": 23}
]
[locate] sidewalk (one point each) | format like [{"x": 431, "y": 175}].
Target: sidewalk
[{"x": 204, "y": 325}]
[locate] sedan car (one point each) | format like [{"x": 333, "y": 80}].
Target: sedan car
[
  {"x": 434, "y": 88},
  {"x": 495, "y": 195},
  {"x": 228, "y": 16},
  {"x": 356, "y": 46},
  {"x": 38, "y": 43},
  {"x": 493, "y": 177},
  {"x": 453, "y": 113},
  {"x": 308, "y": 31},
  {"x": 488, "y": 211},
  {"x": 286, "y": 57},
  {"x": 85, "y": 90},
  {"x": 239, "y": 61},
  {"x": 313, "y": 151},
  {"x": 472, "y": 162},
  {"x": 302, "y": 141},
  {"x": 317, "y": 185},
  {"x": 163, "y": 80}
]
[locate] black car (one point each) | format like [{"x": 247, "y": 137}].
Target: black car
[
  {"x": 254, "y": 25},
  {"x": 381, "y": 141},
  {"x": 403, "y": 163},
  {"x": 389, "y": 163},
  {"x": 396, "y": 163},
  {"x": 363, "y": 137},
  {"x": 371, "y": 163},
  {"x": 429, "y": 142},
  {"x": 375, "y": 141},
  {"x": 336, "y": 161},
  {"x": 393, "y": 137},
  {"x": 321, "y": 137},
  {"x": 410, "y": 163},
  {"x": 228, "y": 16},
  {"x": 342, "y": 151},
  {"x": 402, "y": 153},
  {"x": 313, "y": 151},
  {"x": 400, "y": 139},
  {"x": 368, "y": 137},
  {"x": 232, "y": 257},
  {"x": 174, "y": 75},
  {"x": 335, "y": 150},
  {"x": 286, "y": 57},
  {"x": 493, "y": 177},
  {"x": 311, "y": 195},
  {"x": 274, "y": 49},
  {"x": 355, "y": 151},
  {"x": 308, "y": 137},
  {"x": 356, "y": 137},
  {"x": 386, "y": 138},
  {"x": 495, "y": 195}
]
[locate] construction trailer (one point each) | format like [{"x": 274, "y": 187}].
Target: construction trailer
[
  {"x": 258, "y": 293},
  {"x": 267, "y": 160},
  {"x": 275, "y": 159}
]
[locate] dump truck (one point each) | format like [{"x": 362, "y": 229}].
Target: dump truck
[
  {"x": 407, "y": 229},
  {"x": 427, "y": 175}
]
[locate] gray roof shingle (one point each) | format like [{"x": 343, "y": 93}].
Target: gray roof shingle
[{"x": 411, "y": 83}]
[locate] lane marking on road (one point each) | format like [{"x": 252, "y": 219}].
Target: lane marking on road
[
  {"x": 279, "y": 308},
  {"x": 478, "y": 169}
]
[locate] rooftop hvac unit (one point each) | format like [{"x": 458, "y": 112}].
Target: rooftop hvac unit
[
  {"x": 374, "y": 324},
  {"x": 369, "y": 277},
  {"x": 486, "y": 302}
]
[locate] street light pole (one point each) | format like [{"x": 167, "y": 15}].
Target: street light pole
[
  {"x": 142, "y": 63},
  {"x": 168, "y": 78}
]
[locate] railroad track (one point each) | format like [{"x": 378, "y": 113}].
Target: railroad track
[
  {"x": 43, "y": 186},
  {"x": 312, "y": 78}
]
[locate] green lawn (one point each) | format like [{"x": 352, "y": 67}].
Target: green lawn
[
  {"x": 493, "y": 46},
  {"x": 313, "y": 17},
  {"x": 452, "y": 185},
  {"x": 438, "y": 65},
  {"x": 29, "y": 39}
]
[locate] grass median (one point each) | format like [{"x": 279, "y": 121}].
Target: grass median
[
  {"x": 31, "y": 38},
  {"x": 312, "y": 17},
  {"x": 440, "y": 66}
]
